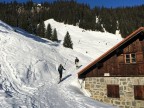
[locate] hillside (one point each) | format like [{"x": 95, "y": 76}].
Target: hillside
[
  {"x": 89, "y": 43},
  {"x": 28, "y": 71}
]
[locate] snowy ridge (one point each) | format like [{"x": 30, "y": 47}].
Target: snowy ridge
[
  {"x": 28, "y": 67},
  {"x": 5, "y": 27}
]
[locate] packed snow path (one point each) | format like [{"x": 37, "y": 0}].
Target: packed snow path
[{"x": 65, "y": 94}]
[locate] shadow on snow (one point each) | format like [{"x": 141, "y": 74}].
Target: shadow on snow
[{"x": 66, "y": 77}]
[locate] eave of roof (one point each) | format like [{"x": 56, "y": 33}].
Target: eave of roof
[{"x": 111, "y": 50}]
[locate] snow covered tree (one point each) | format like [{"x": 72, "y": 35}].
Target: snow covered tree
[
  {"x": 49, "y": 32},
  {"x": 67, "y": 41},
  {"x": 54, "y": 35},
  {"x": 41, "y": 29}
]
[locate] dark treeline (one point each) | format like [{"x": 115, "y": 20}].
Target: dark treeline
[{"x": 28, "y": 15}]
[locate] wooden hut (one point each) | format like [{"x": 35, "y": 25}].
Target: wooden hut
[{"x": 117, "y": 77}]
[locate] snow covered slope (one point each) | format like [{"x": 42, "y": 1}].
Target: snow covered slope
[
  {"x": 89, "y": 43},
  {"x": 28, "y": 67}
]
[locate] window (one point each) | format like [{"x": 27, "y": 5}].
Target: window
[
  {"x": 127, "y": 58},
  {"x": 139, "y": 92},
  {"x": 113, "y": 91},
  {"x": 130, "y": 58}
]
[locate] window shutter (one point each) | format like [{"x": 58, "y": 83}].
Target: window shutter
[
  {"x": 121, "y": 58},
  {"x": 139, "y": 57},
  {"x": 139, "y": 92},
  {"x": 113, "y": 91}
]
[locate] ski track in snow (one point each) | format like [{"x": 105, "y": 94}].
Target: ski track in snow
[
  {"x": 65, "y": 96},
  {"x": 29, "y": 67}
]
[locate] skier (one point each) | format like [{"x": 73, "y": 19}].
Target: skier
[
  {"x": 77, "y": 62},
  {"x": 60, "y": 69}
]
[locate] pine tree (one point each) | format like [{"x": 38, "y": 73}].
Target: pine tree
[
  {"x": 41, "y": 29},
  {"x": 49, "y": 32},
  {"x": 67, "y": 41},
  {"x": 54, "y": 35}
]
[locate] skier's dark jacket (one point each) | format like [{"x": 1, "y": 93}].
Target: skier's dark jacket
[
  {"x": 60, "y": 68},
  {"x": 76, "y": 60}
]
